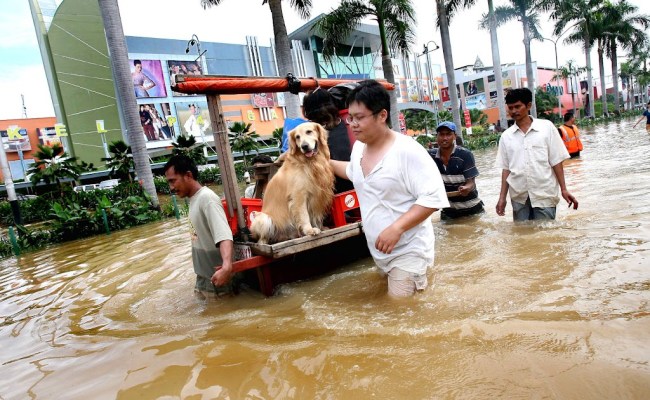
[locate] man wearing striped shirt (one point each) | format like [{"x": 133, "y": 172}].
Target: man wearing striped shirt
[{"x": 458, "y": 171}]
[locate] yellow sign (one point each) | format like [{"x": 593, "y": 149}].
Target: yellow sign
[
  {"x": 200, "y": 120},
  {"x": 274, "y": 115},
  {"x": 13, "y": 132},
  {"x": 100, "y": 126},
  {"x": 171, "y": 120},
  {"x": 251, "y": 115},
  {"x": 60, "y": 130}
]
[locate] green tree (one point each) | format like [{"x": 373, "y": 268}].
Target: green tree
[
  {"x": 420, "y": 120},
  {"x": 478, "y": 117},
  {"x": 582, "y": 16},
  {"x": 546, "y": 102},
  {"x": 396, "y": 19},
  {"x": 187, "y": 146},
  {"x": 277, "y": 135},
  {"x": 124, "y": 86},
  {"x": 625, "y": 28},
  {"x": 52, "y": 166},
  {"x": 443, "y": 24},
  {"x": 242, "y": 139},
  {"x": 282, "y": 44},
  {"x": 121, "y": 160},
  {"x": 569, "y": 72},
  {"x": 526, "y": 12}
]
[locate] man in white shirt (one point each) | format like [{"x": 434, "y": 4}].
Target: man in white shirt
[
  {"x": 398, "y": 186},
  {"x": 530, "y": 156}
]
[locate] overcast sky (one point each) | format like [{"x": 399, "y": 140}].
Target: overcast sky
[{"x": 233, "y": 20}]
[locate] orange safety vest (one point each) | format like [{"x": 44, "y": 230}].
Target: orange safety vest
[{"x": 571, "y": 138}]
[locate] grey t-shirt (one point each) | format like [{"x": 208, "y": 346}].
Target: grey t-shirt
[{"x": 208, "y": 226}]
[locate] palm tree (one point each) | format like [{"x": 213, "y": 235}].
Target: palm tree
[
  {"x": 443, "y": 24},
  {"x": 489, "y": 22},
  {"x": 121, "y": 162},
  {"x": 124, "y": 86},
  {"x": 582, "y": 14},
  {"x": 623, "y": 25},
  {"x": 186, "y": 145},
  {"x": 525, "y": 11},
  {"x": 395, "y": 18},
  {"x": 282, "y": 45},
  {"x": 53, "y": 165},
  {"x": 277, "y": 136},
  {"x": 569, "y": 73},
  {"x": 242, "y": 139}
]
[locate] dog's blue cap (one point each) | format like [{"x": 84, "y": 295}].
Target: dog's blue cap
[
  {"x": 446, "y": 124},
  {"x": 289, "y": 124}
]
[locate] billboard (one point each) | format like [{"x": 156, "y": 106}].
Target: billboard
[
  {"x": 148, "y": 80},
  {"x": 194, "y": 118},
  {"x": 157, "y": 122},
  {"x": 181, "y": 67},
  {"x": 16, "y": 140}
]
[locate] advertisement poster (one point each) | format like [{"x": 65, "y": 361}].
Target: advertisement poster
[
  {"x": 157, "y": 122},
  {"x": 194, "y": 119},
  {"x": 148, "y": 80},
  {"x": 48, "y": 136},
  {"x": 17, "y": 142},
  {"x": 183, "y": 68},
  {"x": 476, "y": 102},
  {"x": 474, "y": 87},
  {"x": 412, "y": 90},
  {"x": 262, "y": 100}
]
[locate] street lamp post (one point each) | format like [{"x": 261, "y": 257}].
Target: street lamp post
[
  {"x": 557, "y": 78},
  {"x": 429, "y": 71}
]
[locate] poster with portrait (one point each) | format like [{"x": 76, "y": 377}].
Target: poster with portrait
[
  {"x": 148, "y": 80},
  {"x": 157, "y": 123},
  {"x": 412, "y": 90},
  {"x": 194, "y": 119},
  {"x": 176, "y": 67},
  {"x": 474, "y": 87}
]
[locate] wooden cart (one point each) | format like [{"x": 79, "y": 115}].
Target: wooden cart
[{"x": 294, "y": 259}]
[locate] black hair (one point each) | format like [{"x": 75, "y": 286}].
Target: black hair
[
  {"x": 568, "y": 115},
  {"x": 318, "y": 106},
  {"x": 373, "y": 95},
  {"x": 261, "y": 158},
  {"x": 182, "y": 164},
  {"x": 521, "y": 94},
  {"x": 136, "y": 62}
]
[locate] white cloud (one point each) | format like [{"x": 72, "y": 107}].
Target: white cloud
[{"x": 30, "y": 82}]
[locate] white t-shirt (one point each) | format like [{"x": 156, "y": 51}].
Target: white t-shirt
[
  {"x": 407, "y": 175},
  {"x": 530, "y": 157}
]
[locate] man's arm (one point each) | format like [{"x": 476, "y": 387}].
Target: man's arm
[
  {"x": 467, "y": 187},
  {"x": 558, "y": 170},
  {"x": 503, "y": 193},
  {"x": 223, "y": 272},
  {"x": 637, "y": 122},
  {"x": 389, "y": 237},
  {"x": 339, "y": 168}
]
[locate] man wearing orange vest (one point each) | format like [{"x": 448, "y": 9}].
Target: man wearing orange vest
[{"x": 571, "y": 136}]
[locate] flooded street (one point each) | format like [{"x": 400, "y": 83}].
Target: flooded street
[{"x": 553, "y": 310}]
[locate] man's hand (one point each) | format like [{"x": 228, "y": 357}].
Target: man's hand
[
  {"x": 464, "y": 190},
  {"x": 570, "y": 199},
  {"x": 501, "y": 207},
  {"x": 387, "y": 239},
  {"x": 222, "y": 275}
]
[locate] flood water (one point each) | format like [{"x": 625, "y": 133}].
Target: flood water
[{"x": 558, "y": 310}]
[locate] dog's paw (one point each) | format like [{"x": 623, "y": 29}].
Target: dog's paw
[{"x": 311, "y": 231}]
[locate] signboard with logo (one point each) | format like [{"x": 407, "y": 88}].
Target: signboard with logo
[
  {"x": 15, "y": 139},
  {"x": 263, "y": 100}
]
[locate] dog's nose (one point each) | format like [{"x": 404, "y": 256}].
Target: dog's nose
[{"x": 305, "y": 147}]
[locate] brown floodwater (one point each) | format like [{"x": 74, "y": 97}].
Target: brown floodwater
[{"x": 558, "y": 310}]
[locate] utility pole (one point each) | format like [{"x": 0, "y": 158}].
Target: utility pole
[{"x": 22, "y": 98}]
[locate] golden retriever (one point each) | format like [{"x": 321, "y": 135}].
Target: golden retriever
[{"x": 300, "y": 194}]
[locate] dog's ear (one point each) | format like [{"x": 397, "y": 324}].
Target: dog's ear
[
  {"x": 323, "y": 134},
  {"x": 293, "y": 149}
]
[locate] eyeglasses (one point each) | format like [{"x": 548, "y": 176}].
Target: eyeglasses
[{"x": 352, "y": 119}]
